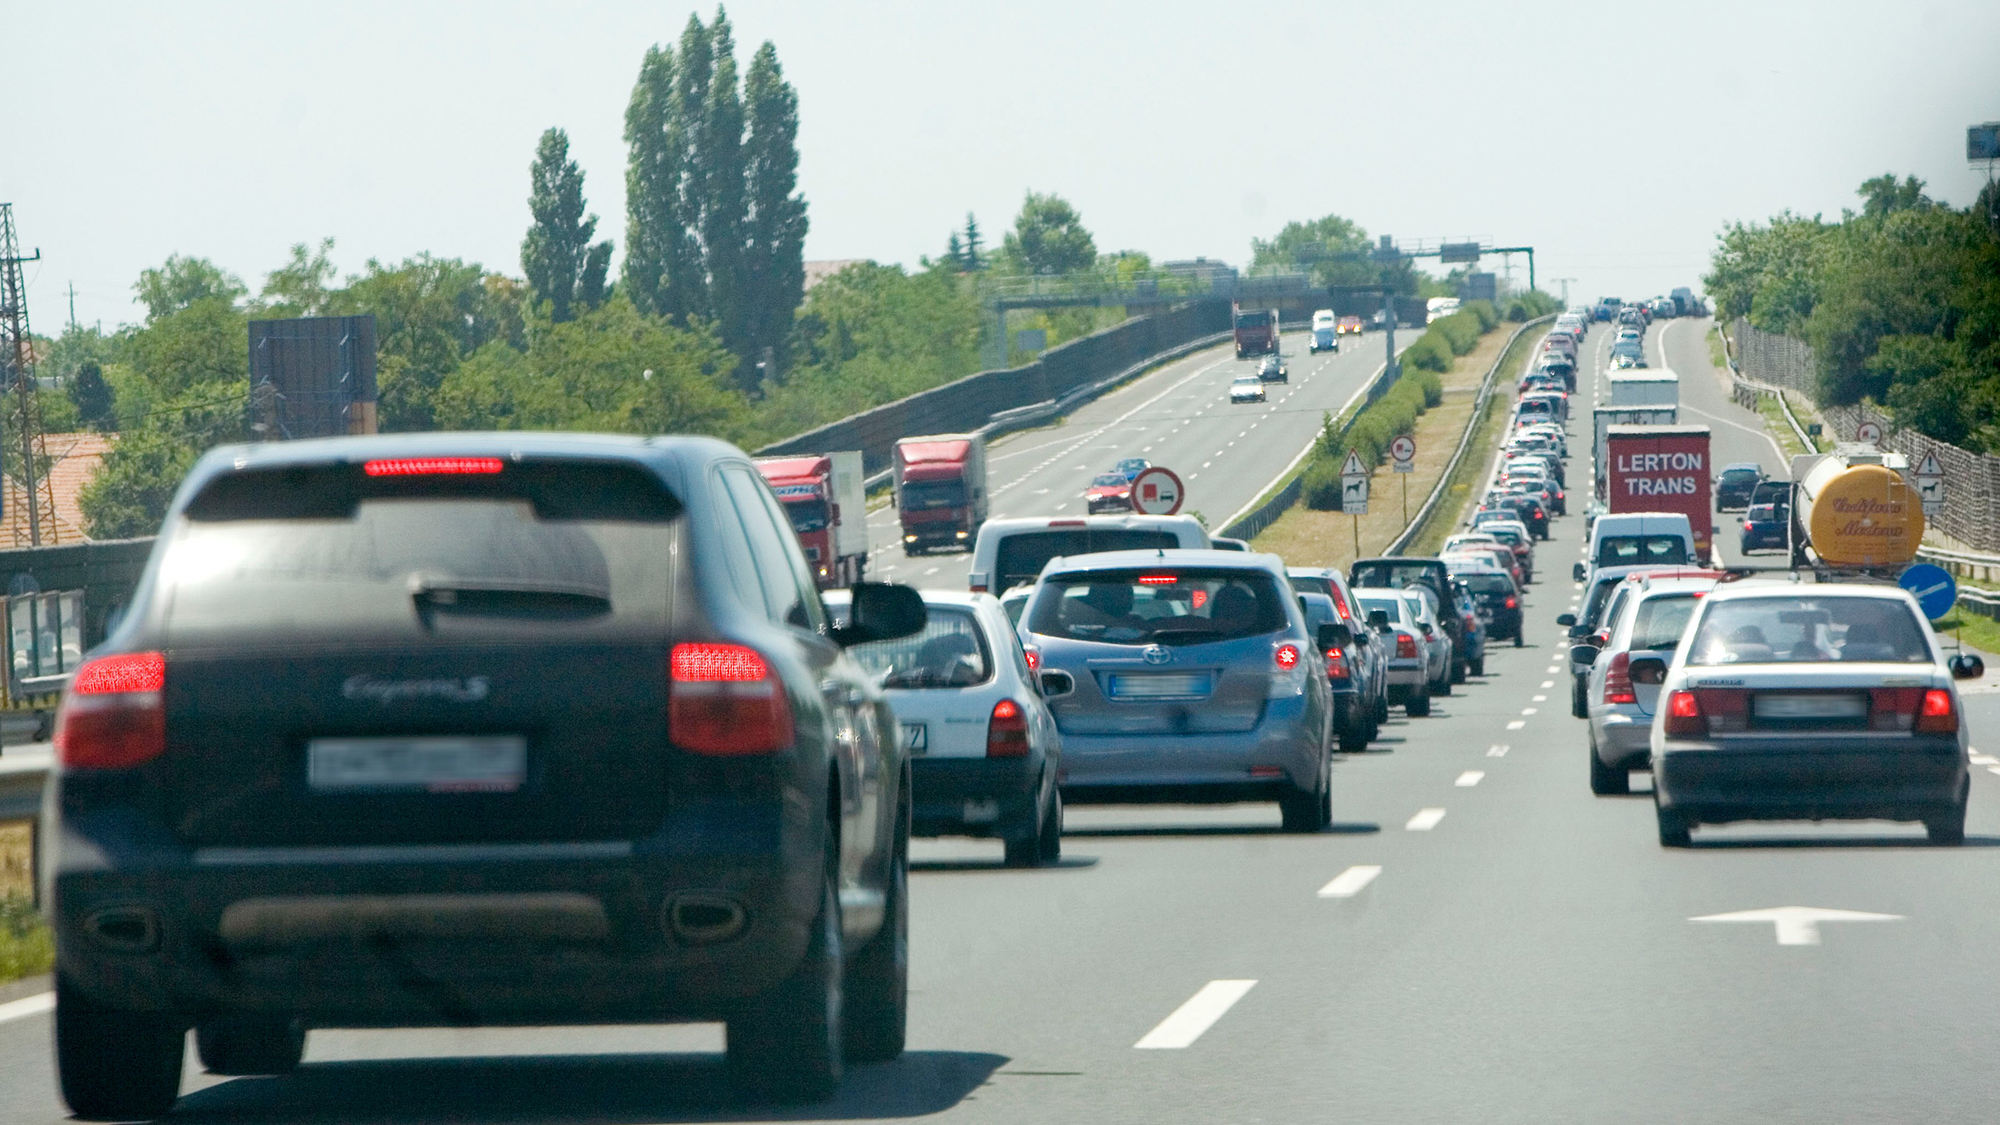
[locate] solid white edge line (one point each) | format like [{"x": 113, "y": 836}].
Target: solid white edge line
[
  {"x": 1349, "y": 883},
  {"x": 1425, "y": 820},
  {"x": 27, "y": 1006},
  {"x": 1190, "y": 1020}
]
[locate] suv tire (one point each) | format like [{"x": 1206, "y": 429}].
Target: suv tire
[
  {"x": 240, "y": 1045},
  {"x": 1947, "y": 830},
  {"x": 115, "y": 1065},
  {"x": 877, "y": 1015},
  {"x": 1048, "y": 841},
  {"x": 786, "y": 1045},
  {"x": 1307, "y": 812},
  {"x": 1674, "y": 828}
]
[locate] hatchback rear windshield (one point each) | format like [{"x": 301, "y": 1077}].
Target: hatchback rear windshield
[
  {"x": 1023, "y": 554},
  {"x": 1659, "y": 621},
  {"x": 1806, "y": 630},
  {"x": 1637, "y": 550},
  {"x": 1485, "y": 586},
  {"x": 950, "y": 652},
  {"x": 1394, "y": 575},
  {"x": 1169, "y": 606},
  {"x": 327, "y": 549}
]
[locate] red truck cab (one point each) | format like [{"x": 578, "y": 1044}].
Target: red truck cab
[
  {"x": 940, "y": 485},
  {"x": 825, "y": 499}
]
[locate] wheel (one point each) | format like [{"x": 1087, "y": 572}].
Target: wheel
[
  {"x": 1479, "y": 665},
  {"x": 1459, "y": 670},
  {"x": 1049, "y": 840},
  {"x": 877, "y": 984},
  {"x": 1419, "y": 703},
  {"x": 1354, "y": 734},
  {"x": 1307, "y": 812},
  {"x": 250, "y": 1044},
  {"x": 1444, "y": 682},
  {"x": 1947, "y": 830},
  {"x": 1518, "y": 641},
  {"x": 1673, "y": 828},
  {"x": 1607, "y": 781},
  {"x": 1579, "y": 706},
  {"x": 114, "y": 1064},
  {"x": 786, "y": 1044},
  {"x": 1381, "y": 711}
]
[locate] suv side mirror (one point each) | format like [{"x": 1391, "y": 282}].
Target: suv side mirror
[
  {"x": 880, "y": 611},
  {"x": 1648, "y": 670},
  {"x": 1334, "y": 635},
  {"x": 1566, "y": 619},
  {"x": 1056, "y": 684},
  {"x": 1966, "y": 666}
]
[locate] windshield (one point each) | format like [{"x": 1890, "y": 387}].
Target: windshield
[
  {"x": 807, "y": 515},
  {"x": 1110, "y": 480},
  {"x": 950, "y": 652},
  {"x": 1635, "y": 550},
  {"x": 1168, "y": 606},
  {"x": 922, "y": 494},
  {"x": 1022, "y": 554},
  {"x": 1809, "y": 630}
]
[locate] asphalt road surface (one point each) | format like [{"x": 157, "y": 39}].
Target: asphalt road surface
[{"x": 1477, "y": 939}]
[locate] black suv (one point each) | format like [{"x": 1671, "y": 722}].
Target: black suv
[
  {"x": 476, "y": 729},
  {"x": 1737, "y": 484},
  {"x": 1397, "y": 571}
]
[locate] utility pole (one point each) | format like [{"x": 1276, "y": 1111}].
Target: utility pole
[
  {"x": 17, "y": 349},
  {"x": 72, "y": 306},
  {"x": 1564, "y": 282}
]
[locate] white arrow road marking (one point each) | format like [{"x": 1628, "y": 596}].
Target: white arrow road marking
[
  {"x": 1425, "y": 820},
  {"x": 1348, "y": 883},
  {"x": 37, "y": 1004},
  {"x": 1469, "y": 778},
  {"x": 1798, "y": 925},
  {"x": 1196, "y": 1016}
]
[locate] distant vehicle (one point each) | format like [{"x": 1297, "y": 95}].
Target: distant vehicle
[
  {"x": 940, "y": 484},
  {"x": 1246, "y": 388},
  {"x": 1012, "y": 552},
  {"x": 1366, "y": 706},
  {"x": 1499, "y": 602},
  {"x": 1437, "y": 308},
  {"x": 1392, "y": 616},
  {"x": 1467, "y": 609},
  {"x": 1195, "y": 679},
  {"x": 1590, "y": 625},
  {"x": 1764, "y": 527},
  {"x": 1828, "y": 701},
  {"x": 1273, "y": 370},
  {"x": 984, "y": 751},
  {"x": 1131, "y": 467},
  {"x": 827, "y": 503},
  {"x": 1350, "y": 326},
  {"x": 1325, "y": 332},
  {"x": 514, "y": 668},
  {"x": 1640, "y": 539},
  {"x": 1397, "y": 571},
  {"x": 1109, "y": 492},
  {"x": 1606, "y": 309},
  {"x": 1621, "y": 709},
  {"x": 1738, "y": 481},
  {"x": 1353, "y": 695},
  {"x": 1256, "y": 331},
  {"x": 1833, "y": 486}
]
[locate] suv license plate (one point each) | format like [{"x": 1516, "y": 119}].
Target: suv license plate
[
  {"x": 439, "y": 764},
  {"x": 916, "y": 738}
]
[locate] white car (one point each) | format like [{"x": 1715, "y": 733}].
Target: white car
[
  {"x": 1409, "y": 658},
  {"x": 1651, "y": 618},
  {"x": 1246, "y": 388},
  {"x": 985, "y": 754},
  {"x": 1816, "y": 701}
]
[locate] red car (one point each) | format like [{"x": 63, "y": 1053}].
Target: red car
[{"x": 1110, "y": 492}]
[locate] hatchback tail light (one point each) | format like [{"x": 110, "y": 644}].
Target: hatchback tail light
[
  {"x": 1033, "y": 656},
  {"x": 1406, "y": 647},
  {"x": 1336, "y": 664},
  {"x": 1007, "y": 731},
  {"x": 1683, "y": 715},
  {"x": 1618, "y": 680},
  {"x": 724, "y": 701},
  {"x": 115, "y": 714},
  {"x": 1938, "y": 714}
]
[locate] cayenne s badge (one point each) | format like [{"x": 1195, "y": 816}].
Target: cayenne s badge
[{"x": 470, "y": 689}]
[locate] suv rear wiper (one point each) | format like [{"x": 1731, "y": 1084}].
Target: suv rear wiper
[{"x": 508, "y": 597}]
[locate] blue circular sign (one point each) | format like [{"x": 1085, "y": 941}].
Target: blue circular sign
[{"x": 1935, "y": 589}]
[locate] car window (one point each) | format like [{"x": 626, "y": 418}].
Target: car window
[
  {"x": 1110, "y": 480},
  {"x": 1021, "y": 555},
  {"x": 1169, "y": 606},
  {"x": 784, "y": 594},
  {"x": 1808, "y": 630},
  {"x": 1659, "y": 621},
  {"x": 1636, "y": 550},
  {"x": 735, "y": 539},
  {"x": 950, "y": 652},
  {"x": 1387, "y": 603}
]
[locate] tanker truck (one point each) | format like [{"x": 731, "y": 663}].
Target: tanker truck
[{"x": 1855, "y": 507}]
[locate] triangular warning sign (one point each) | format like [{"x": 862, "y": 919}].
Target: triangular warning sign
[
  {"x": 1353, "y": 467},
  {"x": 1930, "y": 466}
]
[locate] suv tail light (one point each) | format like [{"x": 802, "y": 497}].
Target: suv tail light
[
  {"x": 1511, "y": 603},
  {"x": 1618, "y": 680},
  {"x": 1287, "y": 657},
  {"x": 1406, "y": 647},
  {"x": 1938, "y": 715},
  {"x": 723, "y": 701},
  {"x": 1683, "y": 715},
  {"x": 1336, "y": 664},
  {"x": 1007, "y": 731},
  {"x": 115, "y": 714}
]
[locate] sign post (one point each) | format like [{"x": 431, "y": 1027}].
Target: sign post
[
  {"x": 1930, "y": 485},
  {"x": 1354, "y": 493},
  {"x": 1868, "y": 432},
  {"x": 1157, "y": 491},
  {"x": 1404, "y": 452}
]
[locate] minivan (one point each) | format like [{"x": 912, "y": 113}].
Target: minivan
[{"x": 1012, "y": 552}]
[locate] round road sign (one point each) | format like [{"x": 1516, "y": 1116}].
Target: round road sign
[
  {"x": 1404, "y": 448},
  {"x": 1157, "y": 492},
  {"x": 1935, "y": 589},
  {"x": 1869, "y": 432}
]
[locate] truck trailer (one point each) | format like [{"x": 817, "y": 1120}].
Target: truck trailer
[
  {"x": 1662, "y": 469},
  {"x": 940, "y": 483},
  {"x": 1605, "y": 417},
  {"x": 827, "y": 502},
  {"x": 1653, "y": 387},
  {"x": 1856, "y": 506}
]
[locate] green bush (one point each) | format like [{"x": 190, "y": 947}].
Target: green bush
[
  {"x": 1321, "y": 491},
  {"x": 1460, "y": 331},
  {"x": 1489, "y": 317},
  {"x": 1429, "y": 353},
  {"x": 26, "y": 947}
]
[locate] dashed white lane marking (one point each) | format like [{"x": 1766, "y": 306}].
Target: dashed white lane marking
[
  {"x": 1196, "y": 1016},
  {"x": 1424, "y": 821},
  {"x": 1527, "y": 710},
  {"x": 1548, "y": 683},
  {"x": 1537, "y": 699},
  {"x": 1469, "y": 778},
  {"x": 1985, "y": 760},
  {"x": 37, "y": 1004},
  {"x": 1554, "y": 668},
  {"x": 931, "y": 571},
  {"x": 1348, "y": 883},
  {"x": 1497, "y": 750},
  {"x": 1517, "y": 724},
  {"x": 1993, "y": 769}
]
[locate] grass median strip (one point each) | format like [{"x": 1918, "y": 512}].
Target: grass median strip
[{"x": 26, "y": 947}]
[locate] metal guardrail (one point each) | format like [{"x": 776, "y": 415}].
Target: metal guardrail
[
  {"x": 24, "y": 768},
  {"x": 1401, "y": 542}
]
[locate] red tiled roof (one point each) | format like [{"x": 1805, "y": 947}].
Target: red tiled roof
[{"x": 75, "y": 459}]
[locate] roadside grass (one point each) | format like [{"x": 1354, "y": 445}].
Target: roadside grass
[
  {"x": 26, "y": 946},
  {"x": 1478, "y": 456},
  {"x": 1774, "y": 421},
  {"x": 1303, "y": 537},
  {"x": 1718, "y": 357},
  {"x": 1976, "y": 631}
]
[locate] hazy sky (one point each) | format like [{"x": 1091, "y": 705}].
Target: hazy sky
[{"x": 1616, "y": 139}]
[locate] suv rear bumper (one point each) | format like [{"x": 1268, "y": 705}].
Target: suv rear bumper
[
  {"x": 1903, "y": 779},
  {"x": 1177, "y": 765},
  {"x": 669, "y": 927}
]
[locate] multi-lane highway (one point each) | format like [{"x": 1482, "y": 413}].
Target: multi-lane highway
[
  {"x": 1478, "y": 938},
  {"x": 1178, "y": 416}
]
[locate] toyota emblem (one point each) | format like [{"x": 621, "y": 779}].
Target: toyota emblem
[{"x": 1155, "y": 654}]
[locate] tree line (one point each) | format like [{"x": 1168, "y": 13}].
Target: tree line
[{"x": 1899, "y": 300}]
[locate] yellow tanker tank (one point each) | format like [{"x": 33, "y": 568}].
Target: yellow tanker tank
[{"x": 1860, "y": 513}]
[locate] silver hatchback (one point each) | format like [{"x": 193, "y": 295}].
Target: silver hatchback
[{"x": 1196, "y": 680}]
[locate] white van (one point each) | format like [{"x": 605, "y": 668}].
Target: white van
[
  {"x": 1011, "y": 552},
  {"x": 1639, "y": 539}
]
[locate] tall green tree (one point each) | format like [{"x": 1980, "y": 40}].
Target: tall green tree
[
  {"x": 724, "y": 201},
  {"x": 662, "y": 271},
  {"x": 1049, "y": 237},
  {"x": 182, "y": 281},
  {"x": 430, "y": 313},
  {"x": 91, "y": 396},
  {"x": 302, "y": 286},
  {"x": 562, "y": 266},
  {"x": 775, "y": 226}
]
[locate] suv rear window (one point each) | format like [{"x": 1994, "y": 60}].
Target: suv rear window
[
  {"x": 1395, "y": 575},
  {"x": 1641, "y": 550},
  {"x": 1023, "y": 554},
  {"x": 1169, "y": 606},
  {"x": 1488, "y": 587}
]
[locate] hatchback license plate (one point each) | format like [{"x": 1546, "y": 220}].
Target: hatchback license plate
[
  {"x": 440, "y": 764},
  {"x": 916, "y": 738},
  {"x": 1812, "y": 706}
]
